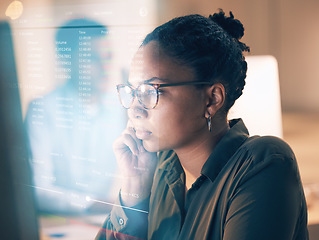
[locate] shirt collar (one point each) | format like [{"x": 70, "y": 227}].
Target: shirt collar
[{"x": 225, "y": 149}]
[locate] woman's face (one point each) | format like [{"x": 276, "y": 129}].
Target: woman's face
[{"x": 178, "y": 121}]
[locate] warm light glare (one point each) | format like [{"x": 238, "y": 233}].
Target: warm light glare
[
  {"x": 143, "y": 90},
  {"x": 14, "y": 10},
  {"x": 127, "y": 89}
]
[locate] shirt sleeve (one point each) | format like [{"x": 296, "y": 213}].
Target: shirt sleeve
[
  {"x": 125, "y": 223},
  {"x": 268, "y": 203}
]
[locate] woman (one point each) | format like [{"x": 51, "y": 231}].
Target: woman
[{"x": 188, "y": 172}]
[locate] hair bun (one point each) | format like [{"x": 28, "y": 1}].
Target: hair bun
[{"x": 231, "y": 25}]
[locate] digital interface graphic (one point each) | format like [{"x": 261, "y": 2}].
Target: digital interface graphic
[{"x": 69, "y": 60}]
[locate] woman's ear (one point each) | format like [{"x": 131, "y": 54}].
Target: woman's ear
[{"x": 215, "y": 99}]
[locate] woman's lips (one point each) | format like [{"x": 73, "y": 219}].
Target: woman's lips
[{"x": 142, "y": 133}]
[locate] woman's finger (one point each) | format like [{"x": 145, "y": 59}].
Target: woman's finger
[
  {"x": 131, "y": 131},
  {"x": 126, "y": 141}
]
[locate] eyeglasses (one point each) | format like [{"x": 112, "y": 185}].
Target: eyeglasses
[{"x": 146, "y": 93}]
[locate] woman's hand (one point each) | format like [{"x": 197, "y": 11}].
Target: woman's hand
[{"x": 137, "y": 166}]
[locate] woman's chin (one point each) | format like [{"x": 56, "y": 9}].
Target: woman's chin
[{"x": 151, "y": 147}]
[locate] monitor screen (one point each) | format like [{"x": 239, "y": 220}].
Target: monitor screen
[{"x": 18, "y": 216}]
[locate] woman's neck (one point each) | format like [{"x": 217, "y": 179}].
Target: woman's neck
[{"x": 193, "y": 157}]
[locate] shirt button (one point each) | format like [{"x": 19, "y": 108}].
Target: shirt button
[{"x": 121, "y": 221}]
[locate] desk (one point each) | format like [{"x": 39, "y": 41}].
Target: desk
[{"x": 53, "y": 227}]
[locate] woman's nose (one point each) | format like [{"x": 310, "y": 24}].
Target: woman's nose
[{"x": 137, "y": 110}]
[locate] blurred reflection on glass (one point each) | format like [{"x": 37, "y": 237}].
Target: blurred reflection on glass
[{"x": 71, "y": 129}]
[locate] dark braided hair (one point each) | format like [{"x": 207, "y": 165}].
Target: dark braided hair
[{"x": 210, "y": 46}]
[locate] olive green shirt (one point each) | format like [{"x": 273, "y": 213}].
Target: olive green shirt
[{"x": 249, "y": 189}]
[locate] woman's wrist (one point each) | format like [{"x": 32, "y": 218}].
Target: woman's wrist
[{"x": 134, "y": 191}]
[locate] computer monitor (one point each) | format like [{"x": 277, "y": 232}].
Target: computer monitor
[{"x": 17, "y": 207}]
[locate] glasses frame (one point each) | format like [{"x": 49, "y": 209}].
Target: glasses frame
[{"x": 156, "y": 86}]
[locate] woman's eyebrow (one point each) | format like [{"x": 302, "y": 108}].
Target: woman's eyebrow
[
  {"x": 153, "y": 79},
  {"x": 156, "y": 79}
]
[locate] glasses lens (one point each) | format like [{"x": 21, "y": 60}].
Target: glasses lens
[
  {"x": 126, "y": 96},
  {"x": 147, "y": 95}
]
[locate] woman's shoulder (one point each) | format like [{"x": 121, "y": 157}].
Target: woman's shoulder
[
  {"x": 266, "y": 152},
  {"x": 267, "y": 146}
]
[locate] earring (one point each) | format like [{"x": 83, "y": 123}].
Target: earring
[{"x": 209, "y": 122}]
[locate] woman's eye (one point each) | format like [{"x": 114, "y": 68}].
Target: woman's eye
[
  {"x": 151, "y": 92},
  {"x": 160, "y": 91}
]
